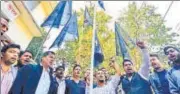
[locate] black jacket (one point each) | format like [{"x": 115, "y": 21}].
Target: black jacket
[{"x": 27, "y": 80}]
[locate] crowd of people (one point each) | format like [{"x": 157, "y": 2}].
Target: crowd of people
[{"x": 21, "y": 75}]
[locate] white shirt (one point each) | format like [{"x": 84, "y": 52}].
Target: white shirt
[
  {"x": 62, "y": 86},
  {"x": 87, "y": 89},
  {"x": 44, "y": 83},
  {"x": 109, "y": 88}
]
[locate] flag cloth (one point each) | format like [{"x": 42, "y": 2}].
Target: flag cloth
[
  {"x": 101, "y": 4},
  {"x": 72, "y": 33},
  {"x": 60, "y": 15},
  {"x": 69, "y": 32},
  {"x": 98, "y": 54},
  {"x": 88, "y": 21},
  {"x": 120, "y": 44},
  {"x": 127, "y": 39}
]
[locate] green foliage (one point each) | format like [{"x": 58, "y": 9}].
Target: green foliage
[
  {"x": 147, "y": 25},
  {"x": 35, "y": 44}
]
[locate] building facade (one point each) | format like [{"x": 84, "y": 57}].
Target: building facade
[{"x": 25, "y": 19}]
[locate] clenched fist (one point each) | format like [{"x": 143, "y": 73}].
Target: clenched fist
[{"x": 141, "y": 44}]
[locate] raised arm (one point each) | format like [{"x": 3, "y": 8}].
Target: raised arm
[
  {"x": 144, "y": 69},
  {"x": 114, "y": 82},
  {"x": 115, "y": 65}
]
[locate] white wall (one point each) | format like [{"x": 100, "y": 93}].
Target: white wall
[{"x": 18, "y": 36}]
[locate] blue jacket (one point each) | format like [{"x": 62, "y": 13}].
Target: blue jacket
[
  {"x": 27, "y": 80},
  {"x": 159, "y": 82},
  {"x": 174, "y": 79},
  {"x": 75, "y": 88},
  {"x": 137, "y": 85}
]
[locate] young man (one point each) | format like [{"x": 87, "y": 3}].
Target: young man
[
  {"x": 108, "y": 78},
  {"x": 4, "y": 29},
  {"x": 158, "y": 78},
  {"x": 25, "y": 58},
  {"x": 75, "y": 85},
  {"x": 110, "y": 86},
  {"x": 64, "y": 63},
  {"x": 4, "y": 25},
  {"x": 10, "y": 55},
  {"x": 173, "y": 74},
  {"x": 137, "y": 82},
  {"x": 59, "y": 72},
  {"x": 36, "y": 79}
]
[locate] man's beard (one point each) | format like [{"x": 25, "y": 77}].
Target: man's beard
[
  {"x": 129, "y": 74},
  {"x": 157, "y": 68},
  {"x": 101, "y": 81},
  {"x": 8, "y": 62},
  {"x": 26, "y": 62},
  {"x": 177, "y": 61},
  {"x": 59, "y": 76}
]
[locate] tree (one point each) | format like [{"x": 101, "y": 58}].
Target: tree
[{"x": 147, "y": 25}]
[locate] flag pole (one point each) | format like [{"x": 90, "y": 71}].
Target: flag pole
[
  {"x": 45, "y": 37},
  {"x": 92, "y": 54},
  {"x": 43, "y": 42}
]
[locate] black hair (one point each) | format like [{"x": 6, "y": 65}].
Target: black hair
[
  {"x": 6, "y": 19},
  {"x": 167, "y": 47},
  {"x": 154, "y": 55},
  {"x": 6, "y": 47},
  {"x": 102, "y": 68},
  {"x": 22, "y": 52},
  {"x": 47, "y": 53},
  {"x": 127, "y": 60},
  {"x": 76, "y": 65},
  {"x": 60, "y": 67}
]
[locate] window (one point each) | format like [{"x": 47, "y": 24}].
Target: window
[
  {"x": 3, "y": 15},
  {"x": 31, "y": 4}
]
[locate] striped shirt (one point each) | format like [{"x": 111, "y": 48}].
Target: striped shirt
[
  {"x": 109, "y": 88},
  {"x": 7, "y": 79}
]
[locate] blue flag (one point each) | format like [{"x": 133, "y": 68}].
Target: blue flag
[
  {"x": 69, "y": 32},
  {"x": 127, "y": 39},
  {"x": 98, "y": 54},
  {"x": 101, "y": 4},
  {"x": 120, "y": 44},
  {"x": 88, "y": 21},
  {"x": 72, "y": 32},
  {"x": 60, "y": 15}
]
